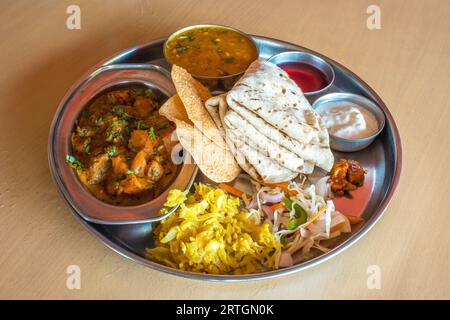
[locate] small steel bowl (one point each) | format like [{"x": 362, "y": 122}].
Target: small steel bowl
[
  {"x": 311, "y": 59},
  {"x": 219, "y": 83},
  {"x": 66, "y": 180},
  {"x": 344, "y": 144}
]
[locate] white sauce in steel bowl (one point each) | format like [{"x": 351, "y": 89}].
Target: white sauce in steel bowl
[{"x": 348, "y": 120}]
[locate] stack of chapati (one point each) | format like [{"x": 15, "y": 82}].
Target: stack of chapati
[{"x": 270, "y": 127}]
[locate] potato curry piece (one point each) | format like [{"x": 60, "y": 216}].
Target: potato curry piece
[
  {"x": 346, "y": 175},
  {"x": 211, "y": 51},
  {"x": 120, "y": 147}
]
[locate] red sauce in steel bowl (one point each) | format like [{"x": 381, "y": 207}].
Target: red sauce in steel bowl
[{"x": 307, "y": 77}]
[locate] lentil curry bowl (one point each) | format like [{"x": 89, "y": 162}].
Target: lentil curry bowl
[
  {"x": 211, "y": 51},
  {"x": 121, "y": 147}
]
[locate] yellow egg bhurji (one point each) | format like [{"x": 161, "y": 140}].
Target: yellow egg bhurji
[{"x": 209, "y": 234}]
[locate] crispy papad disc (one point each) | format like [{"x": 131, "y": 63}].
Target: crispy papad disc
[
  {"x": 216, "y": 163},
  {"x": 194, "y": 95}
]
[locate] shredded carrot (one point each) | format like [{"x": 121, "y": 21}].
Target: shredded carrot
[
  {"x": 285, "y": 187},
  {"x": 315, "y": 216},
  {"x": 231, "y": 190},
  {"x": 337, "y": 227},
  {"x": 282, "y": 185},
  {"x": 278, "y": 206},
  {"x": 354, "y": 220}
]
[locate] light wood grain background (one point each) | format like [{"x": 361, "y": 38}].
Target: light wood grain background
[{"x": 407, "y": 62}]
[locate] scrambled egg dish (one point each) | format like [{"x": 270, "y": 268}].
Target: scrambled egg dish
[{"x": 210, "y": 234}]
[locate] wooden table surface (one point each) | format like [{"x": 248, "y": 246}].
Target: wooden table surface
[{"x": 407, "y": 62}]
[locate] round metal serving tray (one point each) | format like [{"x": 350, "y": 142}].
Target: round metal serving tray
[{"x": 382, "y": 159}]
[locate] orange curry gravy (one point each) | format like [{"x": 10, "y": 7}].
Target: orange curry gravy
[
  {"x": 121, "y": 147},
  {"x": 211, "y": 51}
]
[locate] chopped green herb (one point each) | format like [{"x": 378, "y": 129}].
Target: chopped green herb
[
  {"x": 100, "y": 120},
  {"x": 190, "y": 36},
  {"x": 74, "y": 162},
  {"x": 148, "y": 92},
  {"x": 117, "y": 110},
  {"x": 120, "y": 112},
  {"x": 181, "y": 49},
  {"x": 140, "y": 125},
  {"x": 112, "y": 152},
  {"x": 151, "y": 134},
  {"x": 113, "y": 134},
  {"x": 118, "y": 122},
  {"x": 86, "y": 145},
  {"x": 130, "y": 172}
]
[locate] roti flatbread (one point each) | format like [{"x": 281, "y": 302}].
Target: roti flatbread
[
  {"x": 269, "y": 100},
  {"x": 263, "y": 144},
  {"x": 217, "y": 108},
  {"x": 269, "y": 170},
  {"x": 313, "y": 154},
  {"x": 268, "y": 91}
]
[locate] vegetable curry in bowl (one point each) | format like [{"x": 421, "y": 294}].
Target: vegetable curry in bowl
[{"x": 121, "y": 147}]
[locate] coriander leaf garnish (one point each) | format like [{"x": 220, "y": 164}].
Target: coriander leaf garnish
[
  {"x": 190, "y": 36},
  {"x": 113, "y": 134},
  {"x": 118, "y": 122},
  {"x": 86, "y": 146},
  {"x": 130, "y": 172},
  {"x": 74, "y": 163},
  {"x": 151, "y": 134},
  {"x": 112, "y": 152},
  {"x": 140, "y": 125},
  {"x": 148, "y": 92},
  {"x": 117, "y": 110},
  {"x": 181, "y": 49}
]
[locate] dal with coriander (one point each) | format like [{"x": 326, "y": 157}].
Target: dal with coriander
[{"x": 211, "y": 51}]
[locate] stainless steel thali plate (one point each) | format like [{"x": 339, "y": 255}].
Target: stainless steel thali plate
[{"x": 383, "y": 159}]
